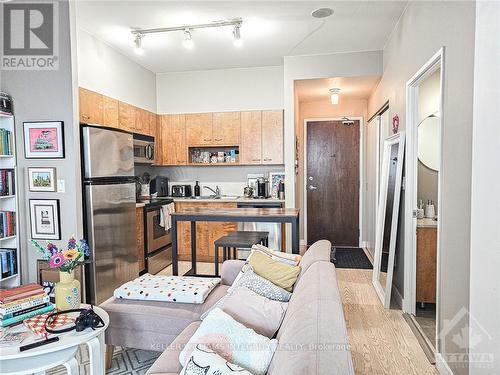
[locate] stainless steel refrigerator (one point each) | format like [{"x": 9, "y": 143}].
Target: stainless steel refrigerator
[{"x": 109, "y": 205}]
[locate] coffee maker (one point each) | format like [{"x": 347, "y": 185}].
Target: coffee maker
[
  {"x": 262, "y": 188},
  {"x": 159, "y": 185}
]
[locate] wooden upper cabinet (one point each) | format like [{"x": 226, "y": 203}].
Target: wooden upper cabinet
[
  {"x": 251, "y": 137},
  {"x": 152, "y": 125},
  {"x": 126, "y": 116},
  {"x": 226, "y": 128},
  {"x": 272, "y": 137},
  {"x": 110, "y": 112},
  {"x": 158, "y": 140},
  {"x": 199, "y": 129},
  {"x": 141, "y": 121},
  {"x": 91, "y": 104},
  {"x": 173, "y": 135}
]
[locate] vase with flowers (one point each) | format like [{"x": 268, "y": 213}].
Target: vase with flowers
[{"x": 67, "y": 290}]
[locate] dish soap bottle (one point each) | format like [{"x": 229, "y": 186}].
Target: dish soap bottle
[{"x": 197, "y": 189}]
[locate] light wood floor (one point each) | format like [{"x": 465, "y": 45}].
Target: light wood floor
[{"x": 381, "y": 341}]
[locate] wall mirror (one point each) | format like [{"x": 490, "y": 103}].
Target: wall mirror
[
  {"x": 428, "y": 141},
  {"x": 387, "y": 216}
]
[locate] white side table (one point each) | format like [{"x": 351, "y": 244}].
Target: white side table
[{"x": 62, "y": 352}]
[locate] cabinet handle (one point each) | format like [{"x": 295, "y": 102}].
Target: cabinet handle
[
  {"x": 218, "y": 139},
  {"x": 255, "y": 159},
  {"x": 85, "y": 117}
]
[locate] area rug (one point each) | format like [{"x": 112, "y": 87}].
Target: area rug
[
  {"x": 125, "y": 362},
  {"x": 350, "y": 257}
]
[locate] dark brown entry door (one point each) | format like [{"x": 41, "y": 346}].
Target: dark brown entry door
[{"x": 333, "y": 182}]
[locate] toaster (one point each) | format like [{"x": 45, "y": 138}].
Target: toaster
[{"x": 181, "y": 191}]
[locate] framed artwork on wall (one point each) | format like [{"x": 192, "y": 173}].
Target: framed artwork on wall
[
  {"x": 42, "y": 179},
  {"x": 274, "y": 180},
  {"x": 45, "y": 223},
  {"x": 44, "y": 140}
]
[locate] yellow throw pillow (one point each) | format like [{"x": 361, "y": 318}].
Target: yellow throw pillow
[{"x": 278, "y": 273}]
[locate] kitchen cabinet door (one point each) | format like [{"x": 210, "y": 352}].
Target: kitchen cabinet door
[
  {"x": 158, "y": 141},
  {"x": 91, "y": 111},
  {"x": 251, "y": 137},
  {"x": 126, "y": 116},
  {"x": 272, "y": 137},
  {"x": 199, "y": 129},
  {"x": 173, "y": 129},
  {"x": 226, "y": 128},
  {"x": 110, "y": 112},
  {"x": 219, "y": 229},
  {"x": 184, "y": 235},
  {"x": 139, "y": 215},
  {"x": 141, "y": 121},
  {"x": 151, "y": 131}
]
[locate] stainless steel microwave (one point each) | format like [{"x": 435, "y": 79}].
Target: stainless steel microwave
[{"x": 144, "y": 149}]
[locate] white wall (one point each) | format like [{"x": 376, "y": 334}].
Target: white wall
[
  {"x": 106, "y": 71},
  {"x": 422, "y": 30},
  {"x": 220, "y": 90},
  {"x": 485, "y": 225}
]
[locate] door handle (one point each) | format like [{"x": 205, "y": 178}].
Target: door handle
[{"x": 312, "y": 187}]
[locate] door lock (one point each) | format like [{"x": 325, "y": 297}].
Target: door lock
[
  {"x": 312, "y": 187},
  {"x": 311, "y": 178}
]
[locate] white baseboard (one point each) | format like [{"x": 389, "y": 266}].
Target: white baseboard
[{"x": 442, "y": 366}]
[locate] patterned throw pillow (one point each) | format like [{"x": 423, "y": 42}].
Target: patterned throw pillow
[
  {"x": 247, "y": 278},
  {"x": 204, "y": 361},
  {"x": 232, "y": 341}
]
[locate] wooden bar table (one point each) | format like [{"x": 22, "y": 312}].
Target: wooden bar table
[{"x": 253, "y": 215}]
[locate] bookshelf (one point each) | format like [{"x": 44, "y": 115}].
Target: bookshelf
[{"x": 9, "y": 205}]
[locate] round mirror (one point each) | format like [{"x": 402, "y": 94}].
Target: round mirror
[{"x": 428, "y": 142}]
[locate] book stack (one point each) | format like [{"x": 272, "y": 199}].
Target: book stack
[
  {"x": 7, "y": 224},
  {"x": 23, "y": 302},
  {"x": 6, "y": 142},
  {"x": 8, "y": 263},
  {"x": 7, "y": 185}
]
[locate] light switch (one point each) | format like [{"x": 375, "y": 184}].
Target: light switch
[{"x": 61, "y": 186}]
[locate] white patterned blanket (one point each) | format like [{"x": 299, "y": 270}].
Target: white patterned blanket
[{"x": 182, "y": 289}]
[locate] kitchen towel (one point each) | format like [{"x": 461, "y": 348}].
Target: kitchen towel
[{"x": 165, "y": 218}]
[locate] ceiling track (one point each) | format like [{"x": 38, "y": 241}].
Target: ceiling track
[{"x": 234, "y": 22}]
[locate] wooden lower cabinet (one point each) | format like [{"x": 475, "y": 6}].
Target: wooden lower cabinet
[
  {"x": 426, "y": 264},
  {"x": 139, "y": 217},
  {"x": 206, "y": 232}
]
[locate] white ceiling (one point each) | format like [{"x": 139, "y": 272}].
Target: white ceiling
[
  {"x": 309, "y": 90},
  {"x": 271, "y": 30}
]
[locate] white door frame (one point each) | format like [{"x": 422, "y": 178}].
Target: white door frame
[
  {"x": 410, "y": 241},
  {"x": 361, "y": 171}
]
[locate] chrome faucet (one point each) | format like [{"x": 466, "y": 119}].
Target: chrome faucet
[{"x": 216, "y": 191}]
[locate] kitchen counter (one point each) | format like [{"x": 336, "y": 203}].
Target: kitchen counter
[
  {"x": 427, "y": 223},
  {"x": 230, "y": 200},
  {"x": 139, "y": 205}
]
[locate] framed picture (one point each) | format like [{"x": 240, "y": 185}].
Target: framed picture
[
  {"x": 274, "y": 179},
  {"x": 45, "y": 224},
  {"x": 44, "y": 140},
  {"x": 42, "y": 179}
]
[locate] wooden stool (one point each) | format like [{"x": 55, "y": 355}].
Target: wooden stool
[{"x": 235, "y": 240}]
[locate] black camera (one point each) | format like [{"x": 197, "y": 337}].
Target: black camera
[{"x": 88, "y": 319}]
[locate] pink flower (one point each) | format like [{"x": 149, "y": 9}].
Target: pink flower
[{"x": 56, "y": 261}]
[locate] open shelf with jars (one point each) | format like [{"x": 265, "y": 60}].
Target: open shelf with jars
[{"x": 214, "y": 155}]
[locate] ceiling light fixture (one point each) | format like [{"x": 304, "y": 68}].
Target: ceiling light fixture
[
  {"x": 322, "y": 12},
  {"x": 138, "y": 44},
  {"x": 334, "y": 95},
  {"x": 237, "y": 35},
  {"x": 188, "y": 29},
  {"x": 188, "y": 39}
]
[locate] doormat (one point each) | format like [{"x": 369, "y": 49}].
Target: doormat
[{"x": 350, "y": 257}]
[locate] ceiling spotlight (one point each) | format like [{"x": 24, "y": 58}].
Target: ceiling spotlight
[
  {"x": 237, "y": 35},
  {"x": 138, "y": 44},
  {"x": 334, "y": 95},
  {"x": 188, "y": 39},
  {"x": 322, "y": 12}
]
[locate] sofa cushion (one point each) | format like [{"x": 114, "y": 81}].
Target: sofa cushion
[
  {"x": 168, "y": 362},
  {"x": 280, "y": 274},
  {"x": 313, "y": 337},
  {"x": 318, "y": 251}
]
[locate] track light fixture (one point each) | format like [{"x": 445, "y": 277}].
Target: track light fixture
[
  {"x": 187, "y": 30},
  {"x": 138, "y": 44},
  {"x": 334, "y": 95}
]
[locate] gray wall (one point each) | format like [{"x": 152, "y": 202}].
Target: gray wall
[
  {"x": 422, "y": 30},
  {"x": 48, "y": 95},
  {"x": 485, "y": 225}
]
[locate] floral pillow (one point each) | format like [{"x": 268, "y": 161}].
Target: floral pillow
[
  {"x": 232, "y": 341},
  {"x": 204, "y": 361}
]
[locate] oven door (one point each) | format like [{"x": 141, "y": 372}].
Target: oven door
[{"x": 157, "y": 237}]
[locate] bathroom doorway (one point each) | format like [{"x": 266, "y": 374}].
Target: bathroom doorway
[{"x": 422, "y": 211}]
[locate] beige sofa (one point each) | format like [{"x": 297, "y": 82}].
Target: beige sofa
[{"x": 312, "y": 337}]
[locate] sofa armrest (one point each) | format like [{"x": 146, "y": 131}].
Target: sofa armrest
[{"x": 231, "y": 269}]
